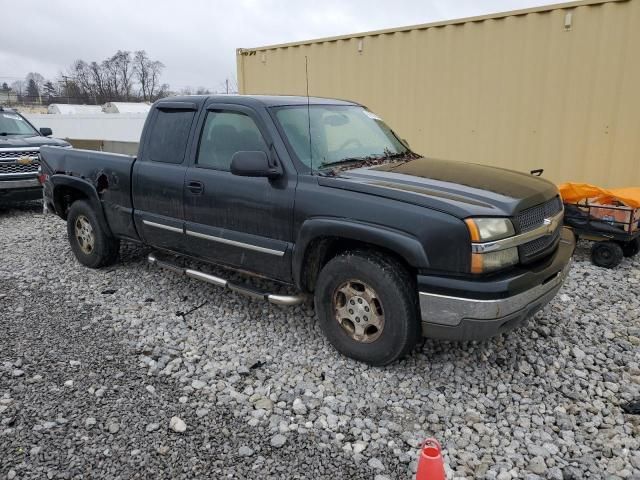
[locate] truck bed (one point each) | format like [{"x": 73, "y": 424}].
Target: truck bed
[{"x": 108, "y": 173}]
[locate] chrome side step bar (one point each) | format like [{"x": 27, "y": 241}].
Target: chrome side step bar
[{"x": 221, "y": 282}]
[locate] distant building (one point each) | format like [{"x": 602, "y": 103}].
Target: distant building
[
  {"x": 126, "y": 107},
  {"x": 71, "y": 109}
]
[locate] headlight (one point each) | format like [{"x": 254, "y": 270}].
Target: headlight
[
  {"x": 489, "y": 229},
  {"x": 492, "y": 261},
  {"x": 484, "y": 230}
]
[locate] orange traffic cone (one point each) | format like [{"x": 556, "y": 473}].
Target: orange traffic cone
[{"x": 430, "y": 463}]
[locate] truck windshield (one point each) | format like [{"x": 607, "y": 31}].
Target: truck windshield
[
  {"x": 339, "y": 133},
  {"x": 13, "y": 124}
]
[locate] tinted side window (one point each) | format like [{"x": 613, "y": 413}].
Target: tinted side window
[
  {"x": 225, "y": 133},
  {"x": 169, "y": 135}
]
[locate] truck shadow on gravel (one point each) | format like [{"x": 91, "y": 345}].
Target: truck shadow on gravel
[{"x": 15, "y": 209}]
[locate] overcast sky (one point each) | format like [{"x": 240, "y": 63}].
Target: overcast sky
[{"x": 196, "y": 39}]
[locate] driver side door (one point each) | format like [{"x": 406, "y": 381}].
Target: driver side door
[{"x": 243, "y": 222}]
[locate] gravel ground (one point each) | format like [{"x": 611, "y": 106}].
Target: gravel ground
[{"x": 105, "y": 374}]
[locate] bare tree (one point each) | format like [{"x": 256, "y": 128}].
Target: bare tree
[
  {"x": 38, "y": 79},
  {"x": 109, "y": 70},
  {"x": 124, "y": 72},
  {"x": 86, "y": 79},
  {"x": 156, "y": 68},
  {"x": 164, "y": 91},
  {"x": 115, "y": 78},
  {"x": 148, "y": 73},
  {"x": 18, "y": 87}
]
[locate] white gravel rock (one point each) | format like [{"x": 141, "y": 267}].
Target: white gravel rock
[
  {"x": 299, "y": 408},
  {"x": 543, "y": 401},
  {"x": 177, "y": 425},
  {"x": 245, "y": 451},
  {"x": 277, "y": 441}
]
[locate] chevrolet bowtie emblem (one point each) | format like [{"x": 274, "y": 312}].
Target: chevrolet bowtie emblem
[
  {"x": 24, "y": 160},
  {"x": 550, "y": 225}
]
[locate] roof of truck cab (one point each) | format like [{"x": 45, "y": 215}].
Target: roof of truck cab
[{"x": 263, "y": 100}]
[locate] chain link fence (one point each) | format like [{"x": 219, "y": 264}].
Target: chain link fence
[{"x": 10, "y": 98}]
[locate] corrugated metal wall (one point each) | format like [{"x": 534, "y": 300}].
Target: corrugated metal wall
[{"x": 518, "y": 90}]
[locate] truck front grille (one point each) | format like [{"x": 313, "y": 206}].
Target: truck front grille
[
  {"x": 16, "y": 168},
  {"x": 532, "y": 218},
  {"x": 16, "y": 154},
  {"x": 9, "y": 162},
  {"x": 532, "y": 248}
]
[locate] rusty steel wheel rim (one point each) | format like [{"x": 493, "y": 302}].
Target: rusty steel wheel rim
[
  {"x": 358, "y": 310},
  {"x": 84, "y": 234}
]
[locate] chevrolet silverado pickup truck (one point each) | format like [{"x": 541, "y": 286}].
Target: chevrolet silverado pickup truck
[
  {"x": 323, "y": 196},
  {"x": 20, "y": 144}
]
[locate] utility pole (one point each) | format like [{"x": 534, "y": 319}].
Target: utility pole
[
  {"x": 227, "y": 86},
  {"x": 66, "y": 86}
]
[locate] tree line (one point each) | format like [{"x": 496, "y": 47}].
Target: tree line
[{"x": 125, "y": 76}]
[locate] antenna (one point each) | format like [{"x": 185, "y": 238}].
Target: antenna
[{"x": 306, "y": 71}]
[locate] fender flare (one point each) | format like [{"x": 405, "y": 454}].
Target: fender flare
[
  {"x": 87, "y": 190},
  {"x": 402, "y": 243}
]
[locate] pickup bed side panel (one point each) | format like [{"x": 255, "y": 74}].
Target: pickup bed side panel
[{"x": 107, "y": 174}]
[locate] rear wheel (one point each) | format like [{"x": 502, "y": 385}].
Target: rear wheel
[
  {"x": 367, "y": 307},
  {"x": 606, "y": 254},
  {"x": 631, "y": 248},
  {"x": 89, "y": 242}
]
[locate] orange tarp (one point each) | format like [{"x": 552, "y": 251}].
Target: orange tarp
[{"x": 575, "y": 192}]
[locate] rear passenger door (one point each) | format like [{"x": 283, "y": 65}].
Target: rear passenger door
[
  {"x": 158, "y": 175},
  {"x": 243, "y": 222}
]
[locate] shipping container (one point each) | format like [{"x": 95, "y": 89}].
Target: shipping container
[{"x": 555, "y": 87}]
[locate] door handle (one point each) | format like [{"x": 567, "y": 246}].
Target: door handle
[{"x": 195, "y": 187}]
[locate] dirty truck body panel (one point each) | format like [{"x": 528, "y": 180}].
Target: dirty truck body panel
[{"x": 180, "y": 194}]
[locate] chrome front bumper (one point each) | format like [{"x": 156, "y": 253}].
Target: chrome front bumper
[{"x": 460, "y": 318}]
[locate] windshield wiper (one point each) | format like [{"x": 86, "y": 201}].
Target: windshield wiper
[
  {"x": 4, "y": 134},
  {"x": 345, "y": 160}
]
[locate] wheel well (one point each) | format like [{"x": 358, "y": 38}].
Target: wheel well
[
  {"x": 63, "y": 198},
  {"x": 323, "y": 249}
]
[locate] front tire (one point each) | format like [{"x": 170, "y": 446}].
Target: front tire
[
  {"x": 89, "y": 242},
  {"x": 367, "y": 307}
]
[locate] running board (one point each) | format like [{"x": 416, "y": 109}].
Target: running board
[{"x": 221, "y": 282}]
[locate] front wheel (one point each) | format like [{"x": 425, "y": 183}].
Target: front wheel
[
  {"x": 367, "y": 307},
  {"x": 90, "y": 243}
]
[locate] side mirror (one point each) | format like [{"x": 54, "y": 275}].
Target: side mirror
[
  {"x": 253, "y": 164},
  {"x": 46, "y": 131}
]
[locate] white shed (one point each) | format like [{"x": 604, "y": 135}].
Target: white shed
[
  {"x": 126, "y": 107},
  {"x": 71, "y": 109}
]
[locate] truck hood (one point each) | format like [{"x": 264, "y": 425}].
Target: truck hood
[
  {"x": 26, "y": 142},
  {"x": 458, "y": 188}
]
